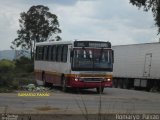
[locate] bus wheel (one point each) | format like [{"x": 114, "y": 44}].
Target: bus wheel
[
  {"x": 45, "y": 84},
  {"x": 64, "y": 88},
  {"x": 100, "y": 89}
]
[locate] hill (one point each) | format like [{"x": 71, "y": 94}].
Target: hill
[{"x": 9, "y": 54}]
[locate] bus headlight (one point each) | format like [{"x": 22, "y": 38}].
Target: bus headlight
[
  {"x": 76, "y": 79},
  {"x": 108, "y": 79}
]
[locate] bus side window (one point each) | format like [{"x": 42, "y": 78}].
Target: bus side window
[
  {"x": 54, "y": 49},
  {"x": 59, "y": 53},
  {"x": 37, "y": 52},
  {"x": 64, "y": 53},
  {"x": 49, "y": 53},
  {"x": 41, "y": 53},
  {"x": 45, "y": 53}
]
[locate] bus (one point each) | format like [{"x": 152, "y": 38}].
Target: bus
[{"x": 79, "y": 64}]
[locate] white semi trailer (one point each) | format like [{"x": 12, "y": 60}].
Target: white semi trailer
[{"x": 137, "y": 66}]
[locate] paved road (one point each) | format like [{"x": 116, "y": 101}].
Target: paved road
[{"x": 113, "y": 100}]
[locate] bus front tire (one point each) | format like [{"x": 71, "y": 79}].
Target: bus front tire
[
  {"x": 64, "y": 87},
  {"x": 100, "y": 89}
]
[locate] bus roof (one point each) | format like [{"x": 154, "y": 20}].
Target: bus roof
[
  {"x": 65, "y": 42},
  {"x": 53, "y": 42}
]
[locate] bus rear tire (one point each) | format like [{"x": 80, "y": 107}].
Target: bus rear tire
[
  {"x": 100, "y": 90},
  {"x": 45, "y": 84}
]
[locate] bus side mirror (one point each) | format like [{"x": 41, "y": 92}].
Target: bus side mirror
[{"x": 112, "y": 56}]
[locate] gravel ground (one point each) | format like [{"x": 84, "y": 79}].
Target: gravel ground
[{"x": 113, "y": 100}]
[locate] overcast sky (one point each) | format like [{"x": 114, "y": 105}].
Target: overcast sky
[{"x": 116, "y": 21}]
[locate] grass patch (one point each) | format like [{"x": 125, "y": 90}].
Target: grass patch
[{"x": 5, "y": 90}]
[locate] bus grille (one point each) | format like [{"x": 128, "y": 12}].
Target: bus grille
[{"x": 92, "y": 79}]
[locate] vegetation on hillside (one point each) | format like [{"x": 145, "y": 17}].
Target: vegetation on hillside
[{"x": 15, "y": 73}]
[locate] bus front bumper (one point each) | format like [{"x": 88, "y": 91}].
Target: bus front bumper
[{"x": 81, "y": 84}]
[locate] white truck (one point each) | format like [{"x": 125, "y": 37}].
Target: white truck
[{"x": 137, "y": 66}]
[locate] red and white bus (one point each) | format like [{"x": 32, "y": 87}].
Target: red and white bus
[{"x": 75, "y": 64}]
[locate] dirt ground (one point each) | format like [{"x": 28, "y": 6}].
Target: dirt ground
[{"x": 86, "y": 104}]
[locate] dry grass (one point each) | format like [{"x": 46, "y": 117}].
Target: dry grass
[{"x": 46, "y": 108}]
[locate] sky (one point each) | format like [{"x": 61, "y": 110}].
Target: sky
[{"x": 116, "y": 21}]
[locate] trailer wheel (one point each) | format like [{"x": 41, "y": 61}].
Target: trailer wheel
[
  {"x": 148, "y": 89},
  {"x": 125, "y": 84},
  {"x": 115, "y": 83},
  {"x": 100, "y": 89},
  {"x": 64, "y": 87},
  {"x": 119, "y": 83}
]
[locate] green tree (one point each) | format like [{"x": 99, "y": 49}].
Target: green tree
[
  {"x": 36, "y": 25},
  {"x": 153, "y": 5},
  {"x": 24, "y": 65}
]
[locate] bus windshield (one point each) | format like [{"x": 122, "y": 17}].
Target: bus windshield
[{"x": 97, "y": 59}]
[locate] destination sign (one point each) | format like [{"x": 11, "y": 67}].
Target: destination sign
[{"x": 92, "y": 44}]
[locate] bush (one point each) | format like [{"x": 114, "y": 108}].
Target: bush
[
  {"x": 6, "y": 72},
  {"x": 13, "y": 74},
  {"x": 6, "y": 66},
  {"x": 15, "y": 84},
  {"x": 5, "y": 90},
  {"x": 24, "y": 64}
]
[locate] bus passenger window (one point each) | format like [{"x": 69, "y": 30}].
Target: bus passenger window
[
  {"x": 64, "y": 53},
  {"x": 45, "y": 53},
  {"x": 59, "y": 53},
  {"x": 53, "y": 57},
  {"x": 37, "y": 52},
  {"x": 41, "y": 53},
  {"x": 49, "y": 53}
]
